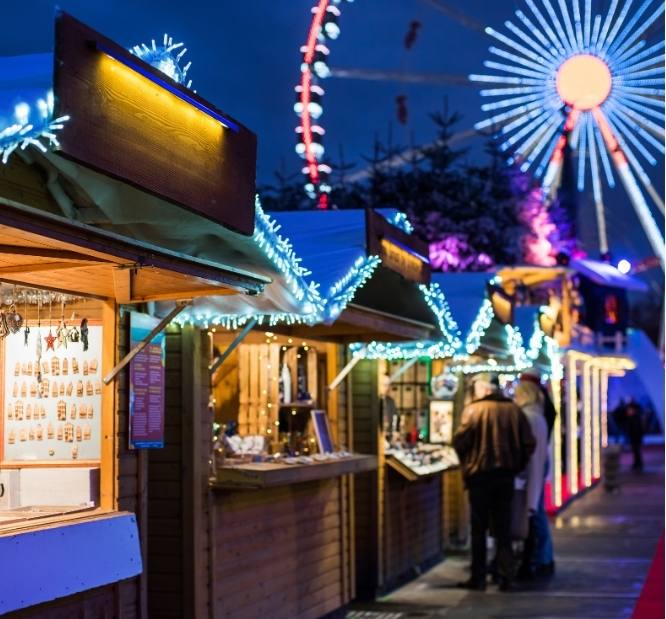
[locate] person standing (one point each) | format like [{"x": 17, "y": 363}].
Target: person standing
[
  {"x": 529, "y": 398},
  {"x": 543, "y": 558},
  {"x": 493, "y": 443},
  {"x": 634, "y": 427}
]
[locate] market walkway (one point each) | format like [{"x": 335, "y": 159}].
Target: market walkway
[{"x": 604, "y": 546}]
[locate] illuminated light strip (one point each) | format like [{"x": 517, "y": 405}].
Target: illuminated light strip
[
  {"x": 595, "y": 32},
  {"x": 556, "y": 387},
  {"x": 588, "y": 21},
  {"x": 649, "y": 225},
  {"x": 546, "y": 26},
  {"x": 567, "y": 22},
  {"x": 491, "y": 64},
  {"x": 572, "y": 425},
  {"x": 596, "y": 423},
  {"x": 137, "y": 67},
  {"x": 545, "y": 56},
  {"x": 587, "y": 423},
  {"x": 542, "y": 46},
  {"x": 582, "y": 126},
  {"x": 607, "y": 23},
  {"x": 617, "y": 46},
  {"x": 558, "y": 26},
  {"x": 526, "y": 63}
]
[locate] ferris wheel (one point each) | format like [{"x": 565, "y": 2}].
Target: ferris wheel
[{"x": 562, "y": 79}]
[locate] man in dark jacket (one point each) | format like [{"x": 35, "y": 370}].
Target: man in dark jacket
[{"x": 494, "y": 443}]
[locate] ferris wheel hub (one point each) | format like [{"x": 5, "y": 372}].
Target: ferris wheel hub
[{"x": 584, "y": 81}]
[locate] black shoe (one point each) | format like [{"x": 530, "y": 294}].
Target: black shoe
[
  {"x": 472, "y": 585},
  {"x": 505, "y": 585},
  {"x": 525, "y": 572},
  {"x": 545, "y": 570}
]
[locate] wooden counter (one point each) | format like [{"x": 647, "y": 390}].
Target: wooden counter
[{"x": 258, "y": 475}]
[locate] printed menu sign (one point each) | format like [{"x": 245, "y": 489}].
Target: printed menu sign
[{"x": 146, "y": 385}]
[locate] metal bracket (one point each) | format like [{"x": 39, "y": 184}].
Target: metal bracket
[
  {"x": 345, "y": 370},
  {"x": 218, "y": 361},
  {"x": 402, "y": 369},
  {"x": 180, "y": 306}
]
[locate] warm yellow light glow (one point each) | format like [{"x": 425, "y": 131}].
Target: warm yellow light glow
[
  {"x": 572, "y": 424},
  {"x": 596, "y": 423},
  {"x": 604, "y": 408},
  {"x": 587, "y": 423},
  {"x": 584, "y": 81},
  {"x": 179, "y": 118},
  {"x": 556, "y": 472},
  {"x": 400, "y": 259}
]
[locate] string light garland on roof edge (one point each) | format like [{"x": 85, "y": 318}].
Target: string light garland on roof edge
[
  {"x": 32, "y": 126},
  {"x": 479, "y": 327},
  {"x": 344, "y": 290},
  {"x": 400, "y": 220},
  {"x": 438, "y": 304},
  {"x": 165, "y": 58}
]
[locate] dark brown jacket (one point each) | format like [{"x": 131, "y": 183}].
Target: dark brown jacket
[{"x": 495, "y": 436}]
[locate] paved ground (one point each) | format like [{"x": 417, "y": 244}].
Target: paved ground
[{"x": 604, "y": 546}]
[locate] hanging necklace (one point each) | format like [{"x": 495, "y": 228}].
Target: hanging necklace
[{"x": 26, "y": 331}]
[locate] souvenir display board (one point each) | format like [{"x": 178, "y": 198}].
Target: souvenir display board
[{"x": 52, "y": 396}]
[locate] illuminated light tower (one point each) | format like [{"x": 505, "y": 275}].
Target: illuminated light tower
[
  {"x": 309, "y": 93},
  {"x": 593, "y": 84}
]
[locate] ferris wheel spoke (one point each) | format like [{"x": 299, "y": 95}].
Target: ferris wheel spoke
[
  {"x": 588, "y": 23},
  {"x": 621, "y": 129},
  {"x": 499, "y": 119},
  {"x": 614, "y": 145},
  {"x": 528, "y": 118},
  {"x": 578, "y": 24},
  {"x": 512, "y": 69},
  {"x": 634, "y": 54},
  {"x": 595, "y": 32},
  {"x": 372, "y": 75},
  {"x": 557, "y": 42},
  {"x": 571, "y": 47},
  {"x": 539, "y": 68},
  {"x": 645, "y": 100},
  {"x": 503, "y": 92},
  {"x": 542, "y": 44},
  {"x": 568, "y": 23},
  {"x": 631, "y": 68},
  {"x": 645, "y": 127},
  {"x": 618, "y": 46},
  {"x": 510, "y": 42},
  {"x": 503, "y": 79},
  {"x": 551, "y": 128},
  {"x": 582, "y": 155},
  {"x": 596, "y": 188},
  {"x": 545, "y": 54},
  {"x": 624, "y": 32},
  {"x": 642, "y": 109},
  {"x": 496, "y": 105},
  {"x": 607, "y": 23},
  {"x": 605, "y": 159},
  {"x": 531, "y": 130},
  {"x": 616, "y": 27}
]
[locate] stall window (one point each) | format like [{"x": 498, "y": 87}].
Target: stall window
[{"x": 51, "y": 387}]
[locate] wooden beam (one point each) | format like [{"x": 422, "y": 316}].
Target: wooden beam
[
  {"x": 191, "y": 293},
  {"x": 47, "y": 266},
  {"x": 122, "y": 285},
  {"x": 47, "y": 252}
]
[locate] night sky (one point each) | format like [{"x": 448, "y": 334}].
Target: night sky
[{"x": 246, "y": 60}]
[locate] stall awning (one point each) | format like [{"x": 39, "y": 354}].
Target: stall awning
[
  {"x": 46, "y": 251},
  {"x": 605, "y": 274}
]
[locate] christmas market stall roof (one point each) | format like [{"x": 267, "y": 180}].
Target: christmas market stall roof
[
  {"x": 92, "y": 134},
  {"x": 472, "y": 318},
  {"x": 605, "y": 274},
  {"x": 356, "y": 283}
]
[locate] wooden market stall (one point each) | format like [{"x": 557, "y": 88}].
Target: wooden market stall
[
  {"x": 276, "y": 537},
  {"x": 72, "y": 473}
]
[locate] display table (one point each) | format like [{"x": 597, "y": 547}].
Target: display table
[{"x": 257, "y": 475}]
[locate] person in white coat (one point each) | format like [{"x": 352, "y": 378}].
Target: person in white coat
[{"x": 529, "y": 398}]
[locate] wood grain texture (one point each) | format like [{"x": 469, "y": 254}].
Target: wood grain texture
[{"x": 130, "y": 128}]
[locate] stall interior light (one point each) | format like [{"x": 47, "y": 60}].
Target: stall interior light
[{"x": 137, "y": 66}]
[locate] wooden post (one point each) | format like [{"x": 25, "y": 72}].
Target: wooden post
[{"x": 109, "y": 468}]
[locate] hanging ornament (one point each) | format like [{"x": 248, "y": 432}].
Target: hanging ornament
[
  {"x": 13, "y": 318},
  {"x": 38, "y": 346},
  {"x": 61, "y": 331},
  {"x": 26, "y": 331},
  {"x": 50, "y": 339},
  {"x": 4, "y": 329},
  {"x": 84, "y": 333}
]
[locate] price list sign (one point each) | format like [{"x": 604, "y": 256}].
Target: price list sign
[{"x": 146, "y": 385}]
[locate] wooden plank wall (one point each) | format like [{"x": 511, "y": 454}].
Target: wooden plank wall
[
  {"x": 165, "y": 496},
  {"x": 278, "y": 552},
  {"x": 412, "y": 527},
  {"x": 98, "y": 603},
  {"x": 365, "y": 406},
  {"x": 178, "y": 501}
]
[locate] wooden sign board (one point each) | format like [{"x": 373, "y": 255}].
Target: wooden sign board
[
  {"x": 403, "y": 253},
  {"x": 134, "y": 123}
]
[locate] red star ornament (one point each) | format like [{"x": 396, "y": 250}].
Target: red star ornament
[{"x": 50, "y": 340}]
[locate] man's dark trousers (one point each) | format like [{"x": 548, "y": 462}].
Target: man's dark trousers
[{"x": 490, "y": 496}]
